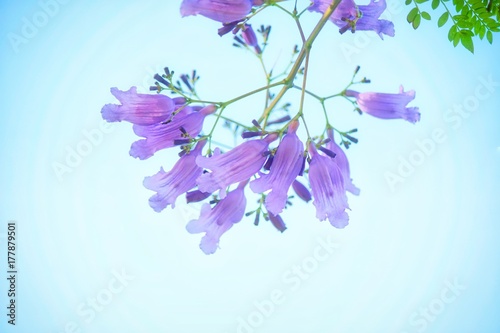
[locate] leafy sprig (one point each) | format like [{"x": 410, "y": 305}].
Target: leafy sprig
[{"x": 469, "y": 18}]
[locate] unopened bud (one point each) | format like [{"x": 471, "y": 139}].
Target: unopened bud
[{"x": 301, "y": 191}]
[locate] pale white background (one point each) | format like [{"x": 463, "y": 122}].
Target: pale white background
[{"x": 404, "y": 246}]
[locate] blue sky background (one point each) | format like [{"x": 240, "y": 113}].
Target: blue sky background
[{"x": 420, "y": 256}]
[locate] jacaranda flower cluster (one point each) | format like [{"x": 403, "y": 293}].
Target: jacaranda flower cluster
[{"x": 277, "y": 157}]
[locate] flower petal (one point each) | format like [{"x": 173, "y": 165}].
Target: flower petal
[
  {"x": 140, "y": 109},
  {"x": 387, "y": 106},
  {"x": 217, "y": 220},
  {"x": 328, "y": 191},
  {"x": 179, "y": 180},
  {"x": 224, "y": 11},
  {"x": 238, "y": 164}
]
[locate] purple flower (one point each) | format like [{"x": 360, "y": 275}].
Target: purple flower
[
  {"x": 301, "y": 191},
  {"x": 370, "y": 19},
  {"x": 238, "y": 164},
  {"x": 163, "y": 135},
  {"x": 250, "y": 38},
  {"x": 170, "y": 185},
  {"x": 387, "y": 106},
  {"x": 327, "y": 185},
  {"x": 345, "y": 9},
  {"x": 277, "y": 222},
  {"x": 249, "y": 35},
  {"x": 224, "y": 11},
  {"x": 217, "y": 220},
  {"x": 349, "y": 16},
  {"x": 140, "y": 109},
  {"x": 343, "y": 164},
  {"x": 287, "y": 163}
]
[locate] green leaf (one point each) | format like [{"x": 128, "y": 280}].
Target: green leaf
[
  {"x": 477, "y": 27},
  {"x": 416, "y": 22},
  {"x": 478, "y": 5},
  {"x": 443, "y": 19},
  {"x": 435, "y": 4},
  {"x": 464, "y": 24},
  {"x": 421, "y": 1},
  {"x": 483, "y": 15},
  {"x": 407, "y": 2},
  {"x": 467, "y": 42},
  {"x": 426, "y": 15},
  {"x": 489, "y": 37},
  {"x": 467, "y": 32},
  {"x": 412, "y": 14},
  {"x": 456, "y": 39},
  {"x": 452, "y": 32},
  {"x": 482, "y": 31}
]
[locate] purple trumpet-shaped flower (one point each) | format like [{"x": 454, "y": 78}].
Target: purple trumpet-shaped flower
[
  {"x": 343, "y": 164},
  {"x": 139, "y": 109},
  {"x": 349, "y": 16},
  {"x": 387, "y": 106},
  {"x": 164, "y": 135},
  {"x": 345, "y": 9},
  {"x": 286, "y": 166},
  {"x": 217, "y": 220},
  {"x": 370, "y": 19},
  {"x": 224, "y": 11},
  {"x": 170, "y": 185},
  {"x": 301, "y": 191},
  {"x": 327, "y": 185},
  {"x": 234, "y": 166}
]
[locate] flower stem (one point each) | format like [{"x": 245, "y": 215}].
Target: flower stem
[
  {"x": 279, "y": 83},
  {"x": 288, "y": 81},
  {"x": 232, "y": 121}
]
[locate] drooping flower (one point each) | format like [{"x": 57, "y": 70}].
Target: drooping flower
[
  {"x": 301, "y": 191},
  {"x": 345, "y": 9},
  {"x": 217, "y": 220},
  {"x": 387, "y": 106},
  {"x": 349, "y": 16},
  {"x": 286, "y": 165},
  {"x": 327, "y": 185},
  {"x": 179, "y": 180},
  {"x": 343, "y": 164},
  {"x": 236, "y": 165},
  {"x": 139, "y": 109},
  {"x": 224, "y": 11},
  {"x": 370, "y": 19},
  {"x": 162, "y": 135}
]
